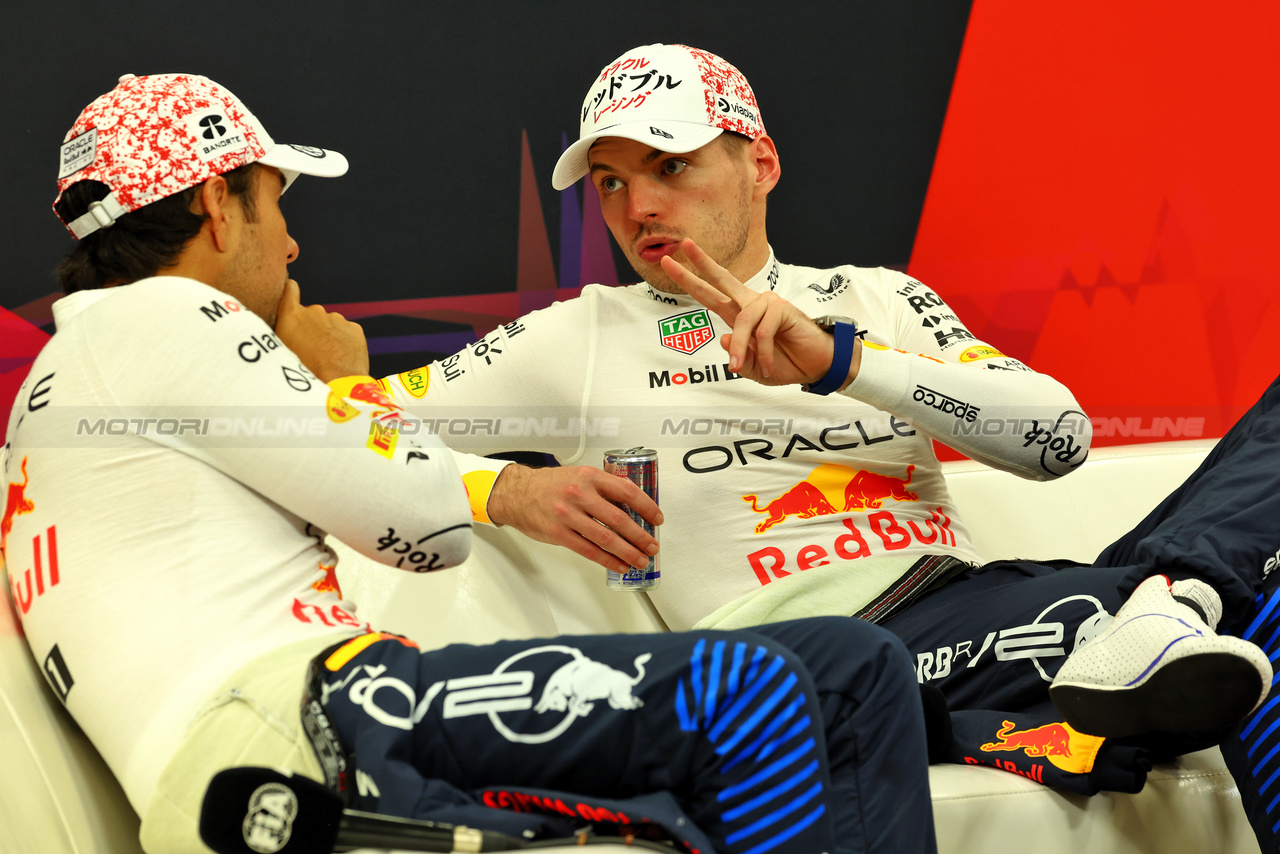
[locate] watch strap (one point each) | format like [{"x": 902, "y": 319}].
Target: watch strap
[{"x": 844, "y": 335}]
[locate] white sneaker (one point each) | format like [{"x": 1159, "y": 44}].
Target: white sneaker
[{"x": 1160, "y": 668}]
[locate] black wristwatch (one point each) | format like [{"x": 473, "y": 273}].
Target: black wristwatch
[{"x": 845, "y": 332}]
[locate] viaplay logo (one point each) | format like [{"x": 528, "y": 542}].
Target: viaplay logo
[{"x": 685, "y": 333}]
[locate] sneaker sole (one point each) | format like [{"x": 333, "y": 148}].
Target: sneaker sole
[{"x": 1198, "y": 694}]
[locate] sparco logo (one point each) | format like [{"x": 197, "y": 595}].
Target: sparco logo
[
  {"x": 269, "y": 822},
  {"x": 735, "y": 109}
]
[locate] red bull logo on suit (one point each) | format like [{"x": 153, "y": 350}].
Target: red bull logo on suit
[
  {"x": 28, "y": 584},
  {"x": 831, "y": 489},
  {"x": 1063, "y": 746},
  {"x": 16, "y": 504}
]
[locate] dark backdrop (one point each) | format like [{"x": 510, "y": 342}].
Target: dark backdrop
[{"x": 428, "y": 101}]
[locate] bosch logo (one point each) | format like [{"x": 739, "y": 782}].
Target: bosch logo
[
  {"x": 212, "y": 127},
  {"x": 735, "y": 109}
]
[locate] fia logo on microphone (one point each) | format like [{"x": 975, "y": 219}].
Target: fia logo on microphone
[{"x": 269, "y": 822}]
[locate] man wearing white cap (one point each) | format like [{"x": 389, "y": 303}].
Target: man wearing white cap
[
  {"x": 814, "y": 489},
  {"x": 165, "y": 536},
  {"x": 171, "y": 469}
]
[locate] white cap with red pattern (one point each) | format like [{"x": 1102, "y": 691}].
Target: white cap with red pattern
[
  {"x": 153, "y": 136},
  {"x": 671, "y": 96}
]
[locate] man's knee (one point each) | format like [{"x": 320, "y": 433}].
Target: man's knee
[{"x": 845, "y": 651}]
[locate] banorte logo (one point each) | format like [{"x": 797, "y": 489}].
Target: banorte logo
[
  {"x": 1066, "y": 748},
  {"x": 831, "y": 489}
]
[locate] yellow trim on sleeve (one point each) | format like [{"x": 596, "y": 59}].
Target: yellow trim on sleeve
[
  {"x": 479, "y": 484},
  {"x": 351, "y": 649}
]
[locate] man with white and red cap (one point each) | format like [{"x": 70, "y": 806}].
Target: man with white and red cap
[
  {"x": 174, "y": 461},
  {"x": 815, "y": 489}
]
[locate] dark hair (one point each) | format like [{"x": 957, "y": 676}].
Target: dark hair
[{"x": 142, "y": 242}]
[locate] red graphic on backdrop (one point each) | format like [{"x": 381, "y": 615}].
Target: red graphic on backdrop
[{"x": 1083, "y": 231}]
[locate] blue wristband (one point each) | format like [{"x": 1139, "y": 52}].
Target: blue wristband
[{"x": 845, "y": 334}]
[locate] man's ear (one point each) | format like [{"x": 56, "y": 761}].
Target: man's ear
[
  {"x": 216, "y": 202},
  {"x": 764, "y": 157}
]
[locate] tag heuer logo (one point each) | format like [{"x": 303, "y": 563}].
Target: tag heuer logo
[{"x": 685, "y": 333}]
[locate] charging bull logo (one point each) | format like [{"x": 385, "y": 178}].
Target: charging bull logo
[
  {"x": 831, "y": 489},
  {"x": 329, "y": 583},
  {"x": 16, "y": 503},
  {"x": 1065, "y": 747},
  {"x": 373, "y": 393},
  {"x": 575, "y": 685},
  {"x": 505, "y": 695}
]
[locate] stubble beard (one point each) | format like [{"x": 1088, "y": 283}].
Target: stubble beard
[
  {"x": 729, "y": 235},
  {"x": 239, "y": 279}
]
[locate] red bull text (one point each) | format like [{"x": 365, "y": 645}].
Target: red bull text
[
  {"x": 640, "y": 466},
  {"x": 833, "y": 490}
]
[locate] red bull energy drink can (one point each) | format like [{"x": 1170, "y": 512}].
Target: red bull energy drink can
[{"x": 640, "y": 466}]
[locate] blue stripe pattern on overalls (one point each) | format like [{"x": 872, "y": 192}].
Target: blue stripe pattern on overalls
[
  {"x": 751, "y": 707},
  {"x": 1258, "y": 735}
]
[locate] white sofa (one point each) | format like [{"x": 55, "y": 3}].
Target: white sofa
[{"x": 56, "y": 795}]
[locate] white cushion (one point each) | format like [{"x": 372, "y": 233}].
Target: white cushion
[{"x": 57, "y": 796}]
